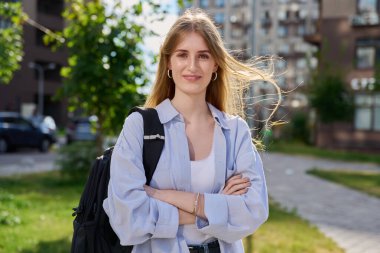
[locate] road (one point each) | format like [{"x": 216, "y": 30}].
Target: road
[{"x": 26, "y": 161}]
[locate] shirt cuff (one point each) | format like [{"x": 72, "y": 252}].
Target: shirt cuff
[
  {"x": 167, "y": 221},
  {"x": 216, "y": 211}
]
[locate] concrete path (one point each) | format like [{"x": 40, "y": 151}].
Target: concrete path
[
  {"x": 26, "y": 162},
  {"x": 350, "y": 218}
]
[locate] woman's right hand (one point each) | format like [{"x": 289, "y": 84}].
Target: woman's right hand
[{"x": 236, "y": 185}]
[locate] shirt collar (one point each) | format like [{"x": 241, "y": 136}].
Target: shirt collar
[{"x": 167, "y": 112}]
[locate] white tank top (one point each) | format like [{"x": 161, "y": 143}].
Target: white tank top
[{"x": 202, "y": 180}]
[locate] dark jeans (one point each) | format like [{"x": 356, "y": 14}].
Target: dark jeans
[{"x": 212, "y": 247}]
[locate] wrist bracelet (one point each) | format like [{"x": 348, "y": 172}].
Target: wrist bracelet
[{"x": 196, "y": 204}]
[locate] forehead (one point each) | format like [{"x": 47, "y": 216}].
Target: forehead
[{"x": 191, "y": 41}]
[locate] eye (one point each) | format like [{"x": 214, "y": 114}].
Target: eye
[
  {"x": 182, "y": 55},
  {"x": 204, "y": 56}
]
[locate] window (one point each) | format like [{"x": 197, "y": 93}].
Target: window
[
  {"x": 50, "y": 7},
  {"x": 282, "y": 15},
  {"x": 365, "y": 57},
  {"x": 281, "y": 81},
  {"x": 219, "y": 18},
  {"x": 367, "y": 6},
  {"x": 221, "y": 32},
  {"x": 203, "y": 3},
  {"x": 300, "y": 80},
  {"x": 301, "y": 29},
  {"x": 282, "y": 31},
  {"x": 188, "y": 4},
  {"x": 301, "y": 63},
  {"x": 367, "y": 53},
  {"x": 219, "y": 3},
  {"x": 237, "y": 32},
  {"x": 265, "y": 49},
  {"x": 281, "y": 64},
  {"x": 303, "y": 13},
  {"x": 367, "y": 13},
  {"x": 367, "y": 112},
  {"x": 4, "y": 23},
  {"x": 284, "y": 48},
  {"x": 236, "y": 3},
  {"x": 265, "y": 31}
]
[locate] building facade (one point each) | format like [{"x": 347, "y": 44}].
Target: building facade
[
  {"x": 269, "y": 28},
  {"x": 348, "y": 38},
  {"x": 24, "y": 92}
]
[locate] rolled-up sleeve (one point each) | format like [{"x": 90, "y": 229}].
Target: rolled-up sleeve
[
  {"x": 133, "y": 215},
  {"x": 232, "y": 217}
]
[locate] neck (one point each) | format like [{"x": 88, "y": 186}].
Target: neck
[{"x": 191, "y": 107}]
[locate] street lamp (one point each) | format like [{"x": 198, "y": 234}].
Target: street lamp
[{"x": 41, "y": 78}]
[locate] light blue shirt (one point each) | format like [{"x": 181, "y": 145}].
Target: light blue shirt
[{"x": 152, "y": 225}]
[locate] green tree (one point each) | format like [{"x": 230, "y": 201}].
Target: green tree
[
  {"x": 328, "y": 94},
  {"x": 11, "y": 49},
  {"x": 105, "y": 66}
]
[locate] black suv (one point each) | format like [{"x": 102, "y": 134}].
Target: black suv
[{"x": 16, "y": 131}]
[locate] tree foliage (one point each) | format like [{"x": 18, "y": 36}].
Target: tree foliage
[
  {"x": 11, "y": 48},
  {"x": 329, "y": 96},
  {"x": 105, "y": 66}
]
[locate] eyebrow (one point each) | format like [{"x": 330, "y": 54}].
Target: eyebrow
[{"x": 200, "y": 51}]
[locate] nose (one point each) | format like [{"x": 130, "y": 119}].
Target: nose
[{"x": 193, "y": 63}]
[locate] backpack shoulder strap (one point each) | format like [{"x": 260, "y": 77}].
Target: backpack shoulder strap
[{"x": 154, "y": 138}]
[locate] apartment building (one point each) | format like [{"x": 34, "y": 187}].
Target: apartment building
[
  {"x": 270, "y": 28},
  {"x": 348, "y": 38},
  {"x": 24, "y": 92},
  {"x": 233, "y": 19},
  {"x": 280, "y": 29}
]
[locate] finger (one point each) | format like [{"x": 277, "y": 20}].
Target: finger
[
  {"x": 239, "y": 187},
  {"x": 243, "y": 191},
  {"x": 237, "y": 176},
  {"x": 233, "y": 182}
]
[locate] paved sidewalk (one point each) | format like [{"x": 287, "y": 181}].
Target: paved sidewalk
[
  {"x": 350, "y": 218},
  {"x": 21, "y": 163}
]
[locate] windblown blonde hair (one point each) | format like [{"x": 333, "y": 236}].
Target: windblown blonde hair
[{"x": 234, "y": 77}]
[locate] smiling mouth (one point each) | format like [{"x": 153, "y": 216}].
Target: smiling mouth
[{"x": 191, "y": 77}]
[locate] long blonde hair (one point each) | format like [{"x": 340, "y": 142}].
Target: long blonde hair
[{"x": 234, "y": 77}]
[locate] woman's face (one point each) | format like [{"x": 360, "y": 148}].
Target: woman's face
[{"x": 192, "y": 65}]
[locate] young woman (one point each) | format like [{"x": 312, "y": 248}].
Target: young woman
[{"x": 208, "y": 191}]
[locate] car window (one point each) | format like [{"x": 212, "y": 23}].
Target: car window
[
  {"x": 10, "y": 120},
  {"x": 23, "y": 123}
]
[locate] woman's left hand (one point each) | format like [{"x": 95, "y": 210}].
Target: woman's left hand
[{"x": 152, "y": 192}]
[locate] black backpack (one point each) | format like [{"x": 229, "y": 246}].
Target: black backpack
[{"x": 92, "y": 230}]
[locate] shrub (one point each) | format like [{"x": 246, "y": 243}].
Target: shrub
[
  {"x": 330, "y": 97},
  {"x": 75, "y": 160},
  {"x": 299, "y": 127}
]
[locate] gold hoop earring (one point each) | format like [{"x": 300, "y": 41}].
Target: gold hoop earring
[
  {"x": 170, "y": 76},
  {"x": 216, "y": 76}
]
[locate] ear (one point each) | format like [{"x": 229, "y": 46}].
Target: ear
[
  {"x": 215, "y": 68},
  {"x": 169, "y": 64}
]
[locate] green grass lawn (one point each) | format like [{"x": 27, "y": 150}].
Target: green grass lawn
[
  {"x": 365, "y": 181},
  {"x": 303, "y": 149},
  {"x": 35, "y": 217}
]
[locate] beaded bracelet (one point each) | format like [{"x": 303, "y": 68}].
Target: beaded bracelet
[{"x": 196, "y": 204}]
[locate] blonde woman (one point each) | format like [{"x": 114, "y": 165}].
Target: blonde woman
[{"x": 208, "y": 191}]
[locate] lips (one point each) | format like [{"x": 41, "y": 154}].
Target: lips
[{"x": 191, "y": 78}]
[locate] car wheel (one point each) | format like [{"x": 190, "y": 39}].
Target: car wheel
[
  {"x": 3, "y": 145},
  {"x": 45, "y": 145}
]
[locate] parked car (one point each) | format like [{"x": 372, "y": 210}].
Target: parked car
[
  {"x": 17, "y": 131},
  {"x": 45, "y": 123},
  {"x": 81, "y": 129}
]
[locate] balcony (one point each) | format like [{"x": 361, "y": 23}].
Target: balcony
[{"x": 365, "y": 19}]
